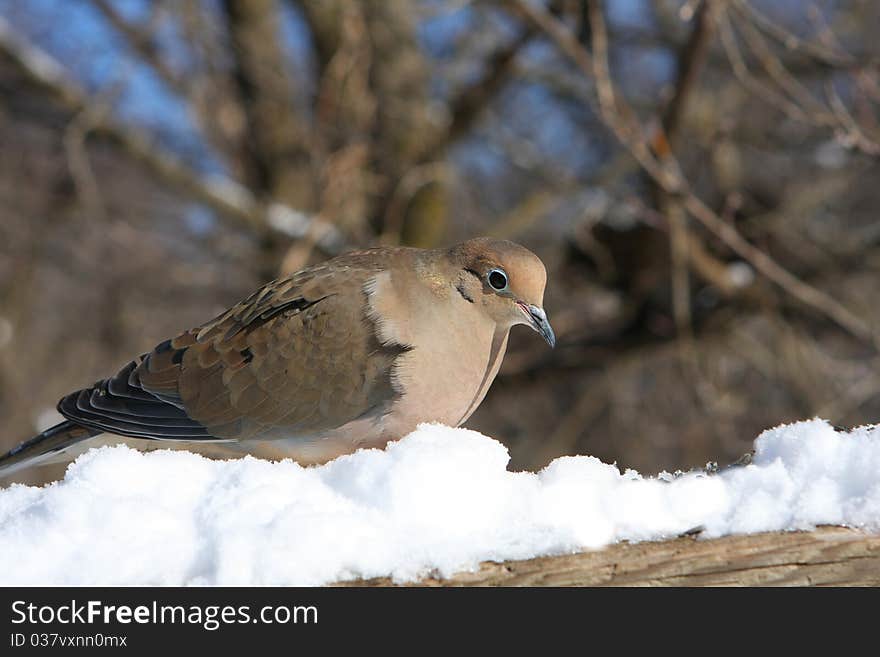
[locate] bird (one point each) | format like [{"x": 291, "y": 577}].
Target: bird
[{"x": 350, "y": 353}]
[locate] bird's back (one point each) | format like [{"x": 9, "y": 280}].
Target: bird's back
[{"x": 296, "y": 358}]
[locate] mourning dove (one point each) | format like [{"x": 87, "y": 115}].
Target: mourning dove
[{"x": 351, "y": 353}]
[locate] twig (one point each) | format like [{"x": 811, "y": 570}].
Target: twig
[
  {"x": 690, "y": 62},
  {"x": 799, "y": 103},
  {"x": 79, "y": 165},
  {"x": 763, "y": 263},
  {"x": 141, "y": 41},
  {"x": 742, "y": 73},
  {"x": 851, "y": 132},
  {"x": 470, "y": 101},
  {"x": 779, "y": 73},
  {"x": 618, "y": 117},
  {"x": 78, "y": 160},
  {"x": 818, "y": 52}
]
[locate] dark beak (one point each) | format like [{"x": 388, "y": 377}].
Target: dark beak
[{"x": 539, "y": 322}]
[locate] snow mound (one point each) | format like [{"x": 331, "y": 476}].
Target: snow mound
[{"x": 439, "y": 501}]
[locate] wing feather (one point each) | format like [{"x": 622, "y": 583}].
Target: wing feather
[{"x": 298, "y": 357}]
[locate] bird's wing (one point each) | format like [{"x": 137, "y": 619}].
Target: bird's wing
[{"x": 298, "y": 357}]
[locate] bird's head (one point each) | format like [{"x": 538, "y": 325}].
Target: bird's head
[{"x": 506, "y": 280}]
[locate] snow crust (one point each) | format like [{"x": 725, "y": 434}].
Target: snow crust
[{"x": 437, "y": 502}]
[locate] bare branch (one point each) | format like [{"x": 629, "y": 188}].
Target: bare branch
[
  {"x": 619, "y": 118},
  {"x": 275, "y": 146},
  {"x": 221, "y": 194},
  {"x": 793, "y": 98},
  {"x": 469, "y": 103},
  {"x": 742, "y": 73},
  {"x": 780, "y": 74},
  {"x": 850, "y": 131},
  {"x": 690, "y": 63},
  {"x": 817, "y": 51},
  {"x": 141, "y": 41},
  {"x": 75, "y": 135}
]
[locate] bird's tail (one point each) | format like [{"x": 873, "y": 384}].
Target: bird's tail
[{"x": 42, "y": 446}]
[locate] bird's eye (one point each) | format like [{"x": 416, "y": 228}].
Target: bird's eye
[{"x": 497, "y": 279}]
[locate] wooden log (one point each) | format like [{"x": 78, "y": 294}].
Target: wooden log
[{"x": 828, "y": 556}]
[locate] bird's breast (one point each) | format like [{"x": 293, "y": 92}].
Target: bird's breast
[
  {"x": 445, "y": 375},
  {"x": 452, "y": 352}
]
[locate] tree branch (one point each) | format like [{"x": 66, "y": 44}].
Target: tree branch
[
  {"x": 225, "y": 196},
  {"x": 275, "y": 146},
  {"x": 620, "y": 119},
  {"x": 690, "y": 62},
  {"x": 141, "y": 42},
  {"x": 470, "y": 101}
]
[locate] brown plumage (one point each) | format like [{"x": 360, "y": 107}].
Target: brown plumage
[{"x": 349, "y": 353}]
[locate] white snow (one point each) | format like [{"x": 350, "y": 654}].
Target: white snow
[{"x": 439, "y": 501}]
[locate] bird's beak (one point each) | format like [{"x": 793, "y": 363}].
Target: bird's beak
[{"x": 538, "y": 321}]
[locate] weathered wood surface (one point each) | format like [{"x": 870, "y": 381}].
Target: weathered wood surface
[{"x": 830, "y": 556}]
